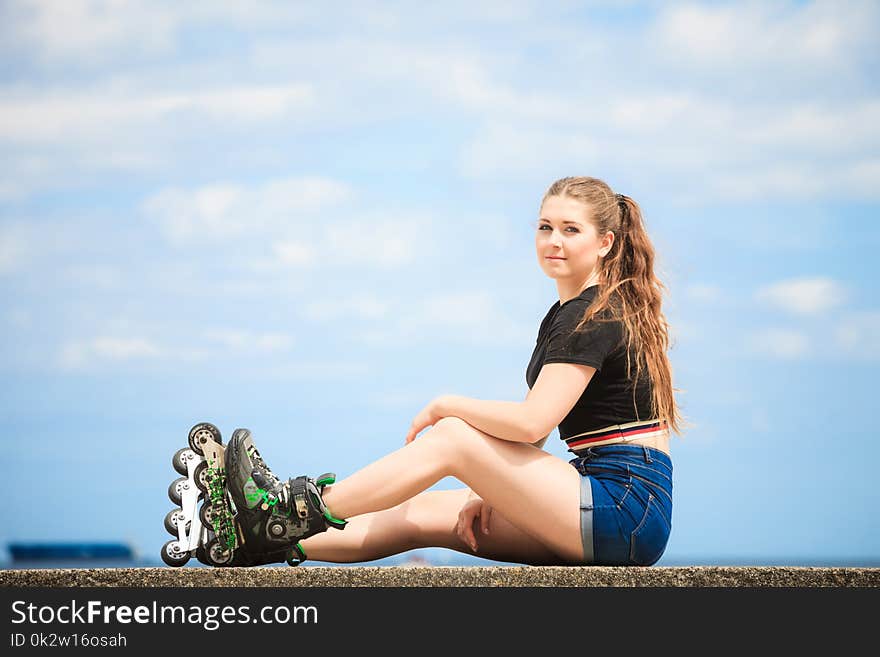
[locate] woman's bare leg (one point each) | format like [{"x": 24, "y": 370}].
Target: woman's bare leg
[
  {"x": 427, "y": 520},
  {"x": 534, "y": 490}
]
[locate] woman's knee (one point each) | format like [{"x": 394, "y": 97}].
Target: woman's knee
[
  {"x": 466, "y": 445},
  {"x": 457, "y": 433},
  {"x": 452, "y": 424},
  {"x": 451, "y": 435}
]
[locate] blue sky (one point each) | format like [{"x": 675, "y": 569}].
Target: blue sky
[{"x": 311, "y": 221}]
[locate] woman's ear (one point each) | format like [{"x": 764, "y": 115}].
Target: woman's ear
[{"x": 607, "y": 243}]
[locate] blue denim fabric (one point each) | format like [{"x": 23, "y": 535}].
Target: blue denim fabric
[{"x": 626, "y": 504}]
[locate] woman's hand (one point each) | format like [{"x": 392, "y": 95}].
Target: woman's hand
[
  {"x": 474, "y": 507},
  {"x": 428, "y": 416}
]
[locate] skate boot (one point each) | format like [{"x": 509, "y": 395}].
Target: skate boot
[
  {"x": 271, "y": 516},
  {"x": 203, "y": 520}
]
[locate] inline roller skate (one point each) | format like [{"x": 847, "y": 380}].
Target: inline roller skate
[{"x": 247, "y": 516}]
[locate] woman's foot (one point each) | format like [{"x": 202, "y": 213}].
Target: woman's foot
[{"x": 271, "y": 515}]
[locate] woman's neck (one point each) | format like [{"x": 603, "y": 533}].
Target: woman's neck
[{"x": 568, "y": 292}]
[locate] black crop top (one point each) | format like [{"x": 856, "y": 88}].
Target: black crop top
[{"x": 608, "y": 398}]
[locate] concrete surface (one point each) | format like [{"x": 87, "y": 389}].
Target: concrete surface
[{"x": 446, "y": 576}]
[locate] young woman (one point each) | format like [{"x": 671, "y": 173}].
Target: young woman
[{"x": 599, "y": 372}]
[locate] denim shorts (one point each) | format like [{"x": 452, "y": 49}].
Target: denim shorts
[{"x": 626, "y": 504}]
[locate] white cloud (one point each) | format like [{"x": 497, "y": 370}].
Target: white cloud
[
  {"x": 789, "y": 180},
  {"x": 783, "y": 344},
  {"x": 304, "y": 221},
  {"x": 383, "y": 241},
  {"x": 294, "y": 254},
  {"x": 853, "y": 336},
  {"x": 124, "y": 348},
  {"x": 94, "y": 33},
  {"x": 115, "y": 353},
  {"x": 248, "y": 341},
  {"x": 811, "y": 127},
  {"x": 225, "y": 211},
  {"x": 90, "y": 30},
  {"x": 108, "y": 349},
  {"x": 79, "y": 136},
  {"x": 702, "y": 148},
  {"x": 794, "y": 180},
  {"x": 105, "y": 114},
  {"x": 658, "y": 112},
  {"x": 214, "y": 344},
  {"x": 387, "y": 243},
  {"x": 818, "y": 128},
  {"x": 803, "y": 296},
  {"x": 764, "y": 35}
]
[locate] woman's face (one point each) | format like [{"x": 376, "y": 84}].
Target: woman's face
[{"x": 566, "y": 241}]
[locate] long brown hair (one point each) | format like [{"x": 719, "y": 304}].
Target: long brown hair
[{"x": 629, "y": 291}]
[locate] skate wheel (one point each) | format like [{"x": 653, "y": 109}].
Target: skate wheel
[
  {"x": 201, "y": 434},
  {"x": 207, "y": 515},
  {"x": 172, "y": 556},
  {"x": 172, "y": 518},
  {"x": 180, "y": 459},
  {"x": 176, "y": 488},
  {"x": 200, "y": 555},
  {"x": 217, "y": 555},
  {"x": 200, "y": 476}
]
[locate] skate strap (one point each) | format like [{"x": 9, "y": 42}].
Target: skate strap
[
  {"x": 299, "y": 497},
  {"x": 296, "y": 555}
]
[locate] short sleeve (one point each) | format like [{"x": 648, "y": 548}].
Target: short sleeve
[{"x": 589, "y": 346}]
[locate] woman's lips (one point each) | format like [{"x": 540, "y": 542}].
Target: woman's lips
[{"x": 554, "y": 258}]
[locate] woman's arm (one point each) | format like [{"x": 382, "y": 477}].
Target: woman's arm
[
  {"x": 557, "y": 389},
  {"x": 503, "y": 419}
]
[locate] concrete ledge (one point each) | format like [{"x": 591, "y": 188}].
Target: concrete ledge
[{"x": 446, "y": 576}]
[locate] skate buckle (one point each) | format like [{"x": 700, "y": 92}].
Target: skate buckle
[
  {"x": 268, "y": 500},
  {"x": 302, "y": 509}
]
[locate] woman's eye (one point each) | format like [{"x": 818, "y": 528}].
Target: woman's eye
[{"x": 542, "y": 226}]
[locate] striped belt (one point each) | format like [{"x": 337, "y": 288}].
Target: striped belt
[{"x": 617, "y": 433}]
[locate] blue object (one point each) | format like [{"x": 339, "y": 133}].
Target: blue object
[{"x": 46, "y": 551}]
